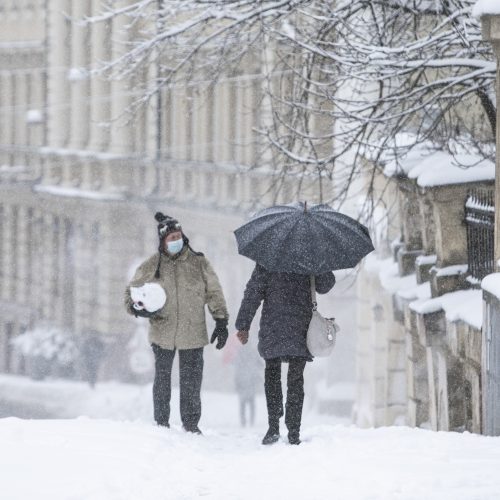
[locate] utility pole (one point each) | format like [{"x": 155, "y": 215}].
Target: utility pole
[{"x": 490, "y": 372}]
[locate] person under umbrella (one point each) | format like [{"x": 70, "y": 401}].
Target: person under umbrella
[
  {"x": 290, "y": 244},
  {"x": 286, "y": 314}
]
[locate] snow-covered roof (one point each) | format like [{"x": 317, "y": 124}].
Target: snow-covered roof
[
  {"x": 485, "y": 7},
  {"x": 464, "y": 305},
  {"x": 438, "y": 168}
]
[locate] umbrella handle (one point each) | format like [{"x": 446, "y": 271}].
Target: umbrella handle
[{"x": 313, "y": 293}]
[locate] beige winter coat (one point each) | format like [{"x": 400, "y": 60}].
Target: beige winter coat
[{"x": 189, "y": 282}]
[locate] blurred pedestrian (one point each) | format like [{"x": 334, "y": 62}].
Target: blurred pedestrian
[
  {"x": 247, "y": 381},
  {"x": 92, "y": 351}
]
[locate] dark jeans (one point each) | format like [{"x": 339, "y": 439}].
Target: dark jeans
[
  {"x": 190, "y": 376},
  {"x": 294, "y": 395}
]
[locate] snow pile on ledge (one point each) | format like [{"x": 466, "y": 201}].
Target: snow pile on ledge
[
  {"x": 452, "y": 270},
  {"x": 464, "y": 305},
  {"x": 426, "y": 260},
  {"x": 439, "y": 168},
  {"x": 388, "y": 272},
  {"x": 485, "y": 7},
  {"x": 422, "y": 291},
  {"x": 391, "y": 280},
  {"x": 491, "y": 284}
]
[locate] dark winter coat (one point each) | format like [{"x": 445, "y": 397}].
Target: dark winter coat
[{"x": 286, "y": 312}]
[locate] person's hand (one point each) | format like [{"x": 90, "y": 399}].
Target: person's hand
[
  {"x": 142, "y": 312},
  {"x": 220, "y": 333},
  {"x": 242, "y": 336}
]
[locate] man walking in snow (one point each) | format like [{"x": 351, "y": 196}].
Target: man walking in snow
[{"x": 190, "y": 283}]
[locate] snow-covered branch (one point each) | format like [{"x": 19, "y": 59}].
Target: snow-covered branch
[{"x": 340, "y": 76}]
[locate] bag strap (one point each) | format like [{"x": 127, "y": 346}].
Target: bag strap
[{"x": 313, "y": 292}]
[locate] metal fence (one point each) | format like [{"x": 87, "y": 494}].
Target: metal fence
[{"x": 480, "y": 221}]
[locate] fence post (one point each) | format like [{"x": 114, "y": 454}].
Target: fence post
[{"x": 490, "y": 378}]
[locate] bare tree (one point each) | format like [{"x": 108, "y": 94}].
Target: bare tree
[{"x": 344, "y": 79}]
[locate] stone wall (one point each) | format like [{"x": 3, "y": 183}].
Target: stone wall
[{"x": 437, "y": 361}]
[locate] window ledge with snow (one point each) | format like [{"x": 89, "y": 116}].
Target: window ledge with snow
[
  {"x": 456, "y": 270},
  {"x": 463, "y": 305}
]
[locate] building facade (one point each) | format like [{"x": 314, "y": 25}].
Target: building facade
[{"x": 80, "y": 179}]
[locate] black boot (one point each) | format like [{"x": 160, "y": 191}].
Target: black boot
[
  {"x": 194, "y": 429},
  {"x": 272, "y": 435},
  {"x": 294, "y": 438}
]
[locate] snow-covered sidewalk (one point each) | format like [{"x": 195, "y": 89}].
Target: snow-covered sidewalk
[
  {"x": 111, "y": 459},
  {"x": 85, "y": 459}
]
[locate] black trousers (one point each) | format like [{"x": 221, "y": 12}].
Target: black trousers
[
  {"x": 190, "y": 377},
  {"x": 294, "y": 395}
]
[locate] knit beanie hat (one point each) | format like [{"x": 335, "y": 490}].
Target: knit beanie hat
[{"x": 166, "y": 225}]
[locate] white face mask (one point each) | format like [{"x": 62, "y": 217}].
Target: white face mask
[{"x": 174, "y": 247}]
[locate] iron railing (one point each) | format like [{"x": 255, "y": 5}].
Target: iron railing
[{"x": 480, "y": 222}]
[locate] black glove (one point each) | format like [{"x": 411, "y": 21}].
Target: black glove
[
  {"x": 142, "y": 312},
  {"x": 220, "y": 333}
]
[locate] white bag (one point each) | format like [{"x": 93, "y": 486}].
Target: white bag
[
  {"x": 150, "y": 296},
  {"x": 322, "y": 332}
]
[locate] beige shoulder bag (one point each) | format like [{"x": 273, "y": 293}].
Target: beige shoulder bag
[{"x": 322, "y": 332}]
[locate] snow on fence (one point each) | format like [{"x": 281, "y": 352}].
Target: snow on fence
[{"x": 480, "y": 220}]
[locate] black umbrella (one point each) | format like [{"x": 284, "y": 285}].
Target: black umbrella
[{"x": 306, "y": 240}]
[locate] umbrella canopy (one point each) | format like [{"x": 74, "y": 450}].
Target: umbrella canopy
[{"x": 305, "y": 240}]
